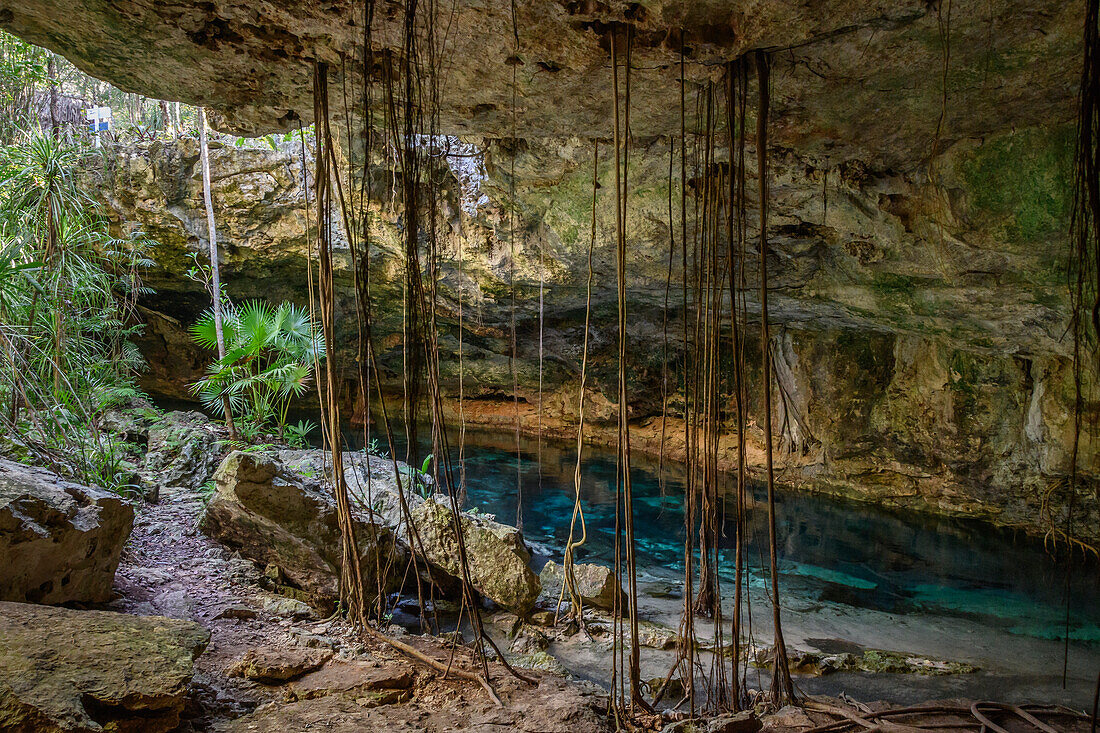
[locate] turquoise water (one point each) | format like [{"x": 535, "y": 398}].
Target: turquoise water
[{"x": 831, "y": 551}]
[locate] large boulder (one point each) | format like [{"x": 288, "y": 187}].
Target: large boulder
[
  {"x": 595, "y": 583},
  {"x": 279, "y": 509},
  {"x": 499, "y": 563},
  {"x": 60, "y": 541},
  {"x": 68, "y": 671},
  {"x": 285, "y": 515},
  {"x": 184, "y": 450}
]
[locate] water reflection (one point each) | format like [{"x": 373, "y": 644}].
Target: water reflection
[{"x": 831, "y": 550}]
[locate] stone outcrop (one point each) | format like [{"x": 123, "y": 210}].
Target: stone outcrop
[
  {"x": 853, "y": 80},
  {"x": 184, "y": 450},
  {"x": 276, "y": 665},
  {"x": 498, "y": 561},
  {"x": 894, "y": 233},
  {"x": 60, "y": 541},
  {"x": 276, "y": 514},
  {"x": 280, "y": 511},
  {"x": 357, "y": 680},
  {"x": 595, "y": 583},
  {"x": 939, "y": 383},
  {"x": 65, "y": 671}
]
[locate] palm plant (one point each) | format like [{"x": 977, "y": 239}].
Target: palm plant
[{"x": 270, "y": 353}]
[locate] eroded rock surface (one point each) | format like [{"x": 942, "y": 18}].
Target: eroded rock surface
[
  {"x": 498, "y": 561},
  {"x": 68, "y": 671},
  {"x": 280, "y": 511},
  {"x": 184, "y": 450},
  {"x": 277, "y": 515},
  {"x": 554, "y": 706},
  {"x": 274, "y": 665},
  {"x": 842, "y": 68},
  {"x": 60, "y": 541},
  {"x": 595, "y": 583},
  {"x": 917, "y": 339}
]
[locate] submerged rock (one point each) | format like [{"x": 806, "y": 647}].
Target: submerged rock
[
  {"x": 70, "y": 671},
  {"x": 498, "y": 560},
  {"x": 869, "y": 660},
  {"x": 275, "y": 515},
  {"x": 595, "y": 583},
  {"x": 60, "y": 541}
]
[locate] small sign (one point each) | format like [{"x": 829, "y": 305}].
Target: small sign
[{"x": 99, "y": 118}]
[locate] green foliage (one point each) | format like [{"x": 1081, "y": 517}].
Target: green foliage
[
  {"x": 67, "y": 291},
  {"x": 270, "y": 352},
  {"x": 207, "y": 491},
  {"x": 297, "y": 436},
  {"x": 420, "y": 481},
  {"x": 23, "y": 69},
  {"x": 375, "y": 448}
]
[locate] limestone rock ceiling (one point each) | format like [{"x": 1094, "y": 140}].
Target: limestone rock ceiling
[{"x": 852, "y": 78}]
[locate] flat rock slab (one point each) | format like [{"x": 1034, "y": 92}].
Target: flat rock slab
[
  {"x": 275, "y": 665},
  {"x": 554, "y": 706},
  {"x": 65, "y": 670},
  {"x": 60, "y": 541},
  {"x": 355, "y": 680}
]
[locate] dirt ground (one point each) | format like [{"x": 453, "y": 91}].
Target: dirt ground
[{"x": 271, "y": 665}]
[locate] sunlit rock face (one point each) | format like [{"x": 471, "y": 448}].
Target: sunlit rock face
[
  {"x": 919, "y": 352},
  {"x": 918, "y": 232}
]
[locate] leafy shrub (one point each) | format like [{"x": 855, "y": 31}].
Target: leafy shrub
[
  {"x": 270, "y": 352},
  {"x": 67, "y": 292}
]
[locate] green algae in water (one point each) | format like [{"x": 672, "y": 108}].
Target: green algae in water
[
  {"x": 832, "y": 552},
  {"x": 830, "y": 576}
]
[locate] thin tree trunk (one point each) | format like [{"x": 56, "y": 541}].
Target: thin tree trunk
[
  {"x": 215, "y": 276},
  {"x": 165, "y": 122},
  {"x": 178, "y": 129},
  {"x": 51, "y": 72}
]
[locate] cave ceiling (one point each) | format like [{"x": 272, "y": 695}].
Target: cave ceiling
[{"x": 852, "y": 79}]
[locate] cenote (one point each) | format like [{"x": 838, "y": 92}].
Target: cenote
[
  {"x": 867, "y": 565},
  {"x": 852, "y": 248}
]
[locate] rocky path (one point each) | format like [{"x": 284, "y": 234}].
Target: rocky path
[{"x": 272, "y": 666}]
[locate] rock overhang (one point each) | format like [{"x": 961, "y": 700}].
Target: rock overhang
[{"x": 851, "y": 79}]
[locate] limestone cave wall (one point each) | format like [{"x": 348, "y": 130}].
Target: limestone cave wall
[{"x": 919, "y": 338}]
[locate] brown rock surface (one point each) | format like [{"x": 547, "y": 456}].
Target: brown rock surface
[
  {"x": 385, "y": 683},
  {"x": 275, "y": 515},
  {"x": 274, "y": 665},
  {"x": 498, "y": 561},
  {"x": 554, "y": 706},
  {"x": 63, "y": 670},
  {"x": 595, "y": 583}
]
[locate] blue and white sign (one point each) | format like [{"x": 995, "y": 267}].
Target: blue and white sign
[{"x": 99, "y": 118}]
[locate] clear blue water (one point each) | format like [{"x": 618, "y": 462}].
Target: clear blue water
[{"x": 831, "y": 551}]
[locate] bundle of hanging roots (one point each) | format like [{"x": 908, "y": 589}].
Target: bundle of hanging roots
[{"x": 710, "y": 245}]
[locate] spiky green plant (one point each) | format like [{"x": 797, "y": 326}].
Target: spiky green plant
[{"x": 67, "y": 289}]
